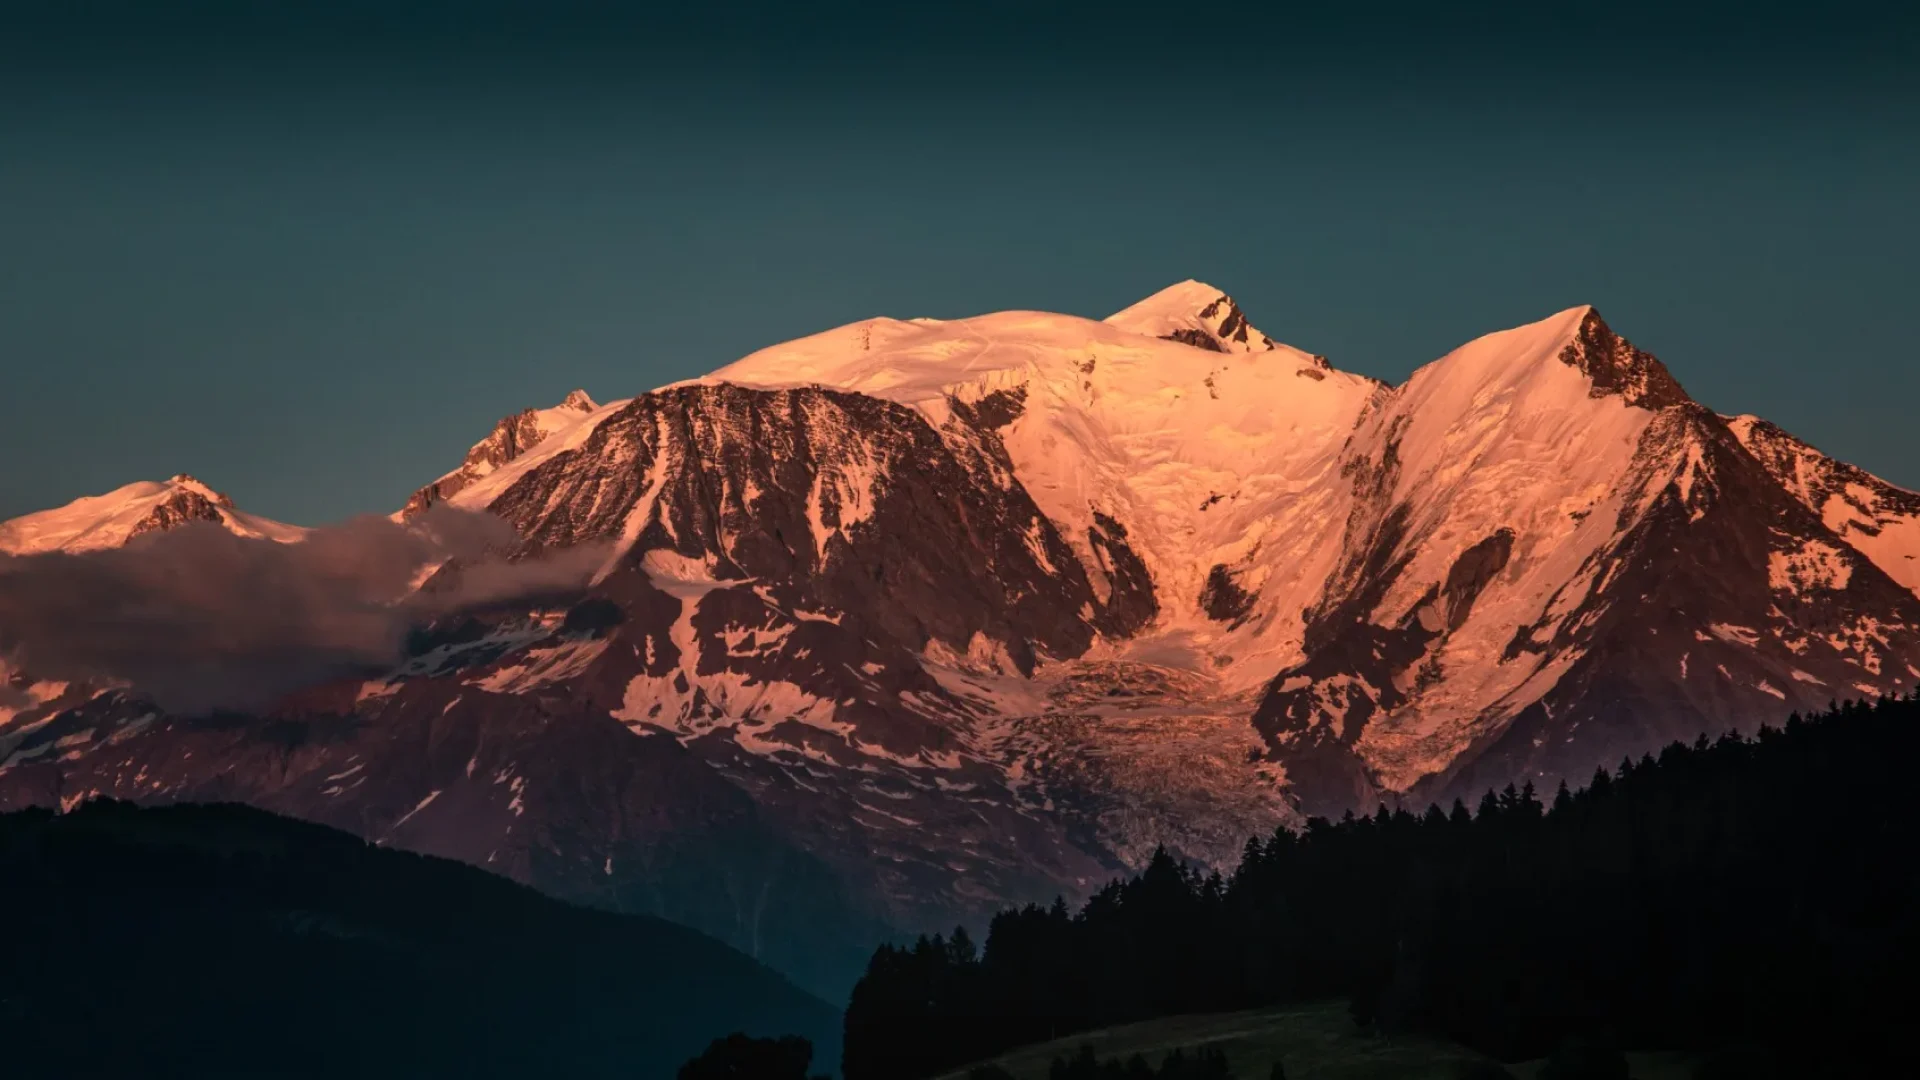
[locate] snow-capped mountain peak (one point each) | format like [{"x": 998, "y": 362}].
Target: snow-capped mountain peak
[
  {"x": 1536, "y": 358},
  {"x": 511, "y": 438},
  {"x": 1194, "y": 313},
  {"x": 1616, "y": 366},
  {"x": 110, "y": 520},
  {"x": 188, "y": 486}
]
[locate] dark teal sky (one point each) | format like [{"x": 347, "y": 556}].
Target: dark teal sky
[{"x": 310, "y": 259}]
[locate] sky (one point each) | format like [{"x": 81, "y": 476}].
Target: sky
[{"x": 310, "y": 253}]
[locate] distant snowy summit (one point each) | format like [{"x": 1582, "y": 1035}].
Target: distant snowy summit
[
  {"x": 1193, "y": 313},
  {"x": 908, "y": 619},
  {"x": 112, "y": 519}
]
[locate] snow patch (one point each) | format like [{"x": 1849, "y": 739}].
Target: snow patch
[
  {"x": 1814, "y": 565},
  {"x": 419, "y": 806},
  {"x": 540, "y": 666}
]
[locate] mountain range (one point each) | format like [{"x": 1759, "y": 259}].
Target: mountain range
[{"x": 908, "y": 620}]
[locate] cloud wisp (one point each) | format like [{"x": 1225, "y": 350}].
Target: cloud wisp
[{"x": 202, "y": 619}]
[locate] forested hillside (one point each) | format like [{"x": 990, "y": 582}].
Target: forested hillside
[{"x": 1744, "y": 891}]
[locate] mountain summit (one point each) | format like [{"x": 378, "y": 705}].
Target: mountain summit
[
  {"x": 906, "y": 620},
  {"x": 1616, "y": 367},
  {"x": 1193, "y": 313},
  {"x": 112, "y": 519},
  {"x": 510, "y": 438}
]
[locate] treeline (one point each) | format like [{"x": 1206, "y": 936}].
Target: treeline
[
  {"x": 1747, "y": 891},
  {"x": 1204, "y": 1064}
]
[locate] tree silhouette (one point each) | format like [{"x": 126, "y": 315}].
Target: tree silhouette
[{"x": 742, "y": 1057}]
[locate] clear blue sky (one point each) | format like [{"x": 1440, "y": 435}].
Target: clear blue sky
[{"x": 311, "y": 258}]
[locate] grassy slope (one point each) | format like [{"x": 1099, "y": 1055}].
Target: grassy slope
[{"x": 1315, "y": 1042}]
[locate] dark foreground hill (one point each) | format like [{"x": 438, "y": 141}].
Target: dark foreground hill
[{"x": 217, "y": 940}]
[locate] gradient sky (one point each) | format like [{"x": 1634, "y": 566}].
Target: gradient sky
[{"x": 310, "y": 258}]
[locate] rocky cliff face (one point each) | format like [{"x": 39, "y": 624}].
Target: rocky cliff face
[{"x": 908, "y": 620}]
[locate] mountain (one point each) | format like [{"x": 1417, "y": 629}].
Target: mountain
[
  {"x": 1551, "y": 556},
  {"x": 512, "y": 437},
  {"x": 110, "y": 520},
  {"x": 1193, "y": 313},
  {"x": 908, "y": 619},
  {"x": 224, "y": 941}
]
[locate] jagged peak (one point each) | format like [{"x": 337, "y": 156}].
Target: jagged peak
[
  {"x": 1576, "y": 337},
  {"x": 511, "y": 438},
  {"x": 1615, "y": 365},
  {"x": 1193, "y": 313},
  {"x": 195, "y": 486},
  {"x": 520, "y": 432}
]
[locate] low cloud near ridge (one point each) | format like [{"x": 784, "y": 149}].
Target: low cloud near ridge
[{"x": 201, "y": 619}]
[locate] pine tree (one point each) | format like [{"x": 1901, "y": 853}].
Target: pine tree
[
  {"x": 960, "y": 950},
  {"x": 1562, "y": 799},
  {"x": 1601, "y": 785}
]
